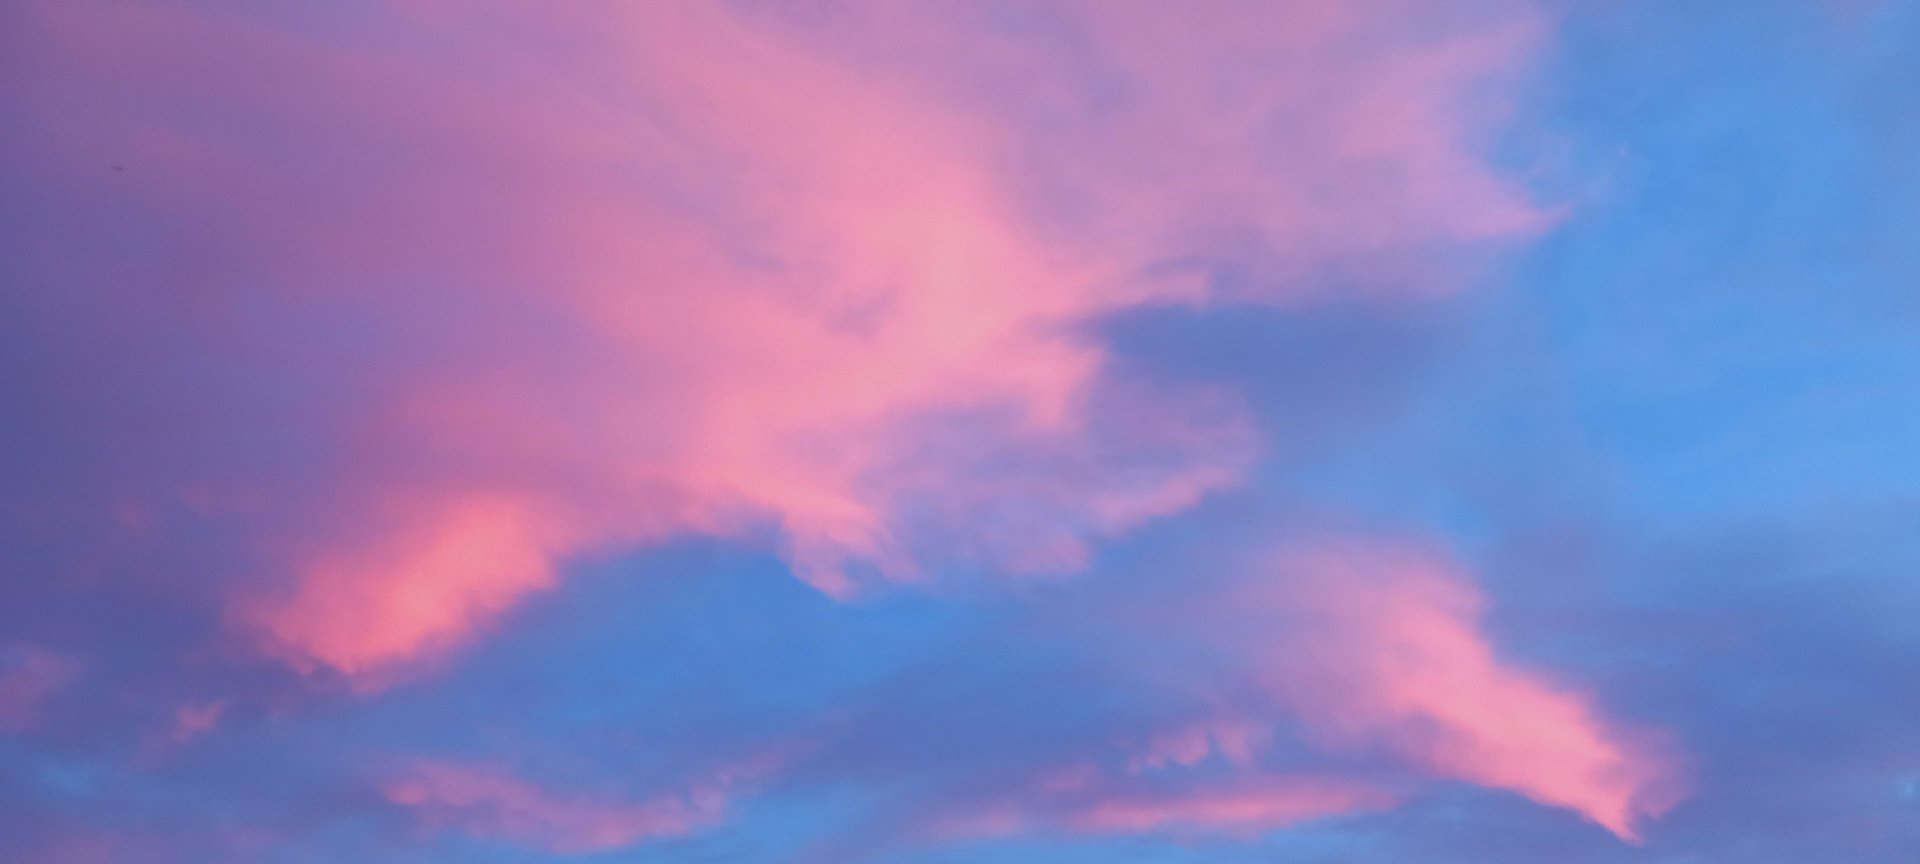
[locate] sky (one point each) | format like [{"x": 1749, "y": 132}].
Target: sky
[{"x": 1039, "y": 432}]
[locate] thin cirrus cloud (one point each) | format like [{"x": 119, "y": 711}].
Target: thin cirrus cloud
[{"x": 586, "y": 278}]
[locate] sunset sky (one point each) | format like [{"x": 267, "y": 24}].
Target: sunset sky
[{"x": 960, "y": 431}]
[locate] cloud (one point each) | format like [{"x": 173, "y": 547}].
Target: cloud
[
  {"x": 1368, "y": 653},
  {"x": 1249, "y": 807},
  {"x": 1381, "y": 647},
  {"x": 30, "y": 676},
  {"x": 541, "y": 284},
  {"x": 1078, "y": 803},
  {"x": 484, "y": 801},
  {"x": 1252, "y": 691}
]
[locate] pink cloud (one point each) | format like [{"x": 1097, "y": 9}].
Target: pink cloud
[
  {"x": 1380, "y": 647},
  {"x": 1237, "y": 743},
  {"x": 29, "y": 676},
  {"x": 1338, "y": 678},
  {"x": 434, "y": 572},
  {"x": 484, "y": 801},
  {"x": 186, "y": 724},
  {"x": 1246, "y": 807},
  {"x": 1087, "y": 802},
  {"x": 590, "y": 277}
]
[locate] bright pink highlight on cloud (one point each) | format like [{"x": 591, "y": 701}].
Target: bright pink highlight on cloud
[
  {"x": 1381, "y": 647},
  {"x": 485, "y": 802},
  {"x": 471, "y": 560}
]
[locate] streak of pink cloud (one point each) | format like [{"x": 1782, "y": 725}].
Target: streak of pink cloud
[
  {"x": 1094, "y": 804},
  {"x": 484, "y": 801},
  {"x": 1244, "y": 807},
  {"x": 1333, "y": 678},
  {"x": 1378, "y": 646},
  {"x": 635, "y": 271}
]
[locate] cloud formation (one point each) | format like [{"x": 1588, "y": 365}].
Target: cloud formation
[
  {"x": 1383, "y": 647},
  {"x": 581, "y": 279},
  {"x": 483, "y": 801},
  {"x": 414, "y": 417},
  {"x": 1369, "y": 654}
]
